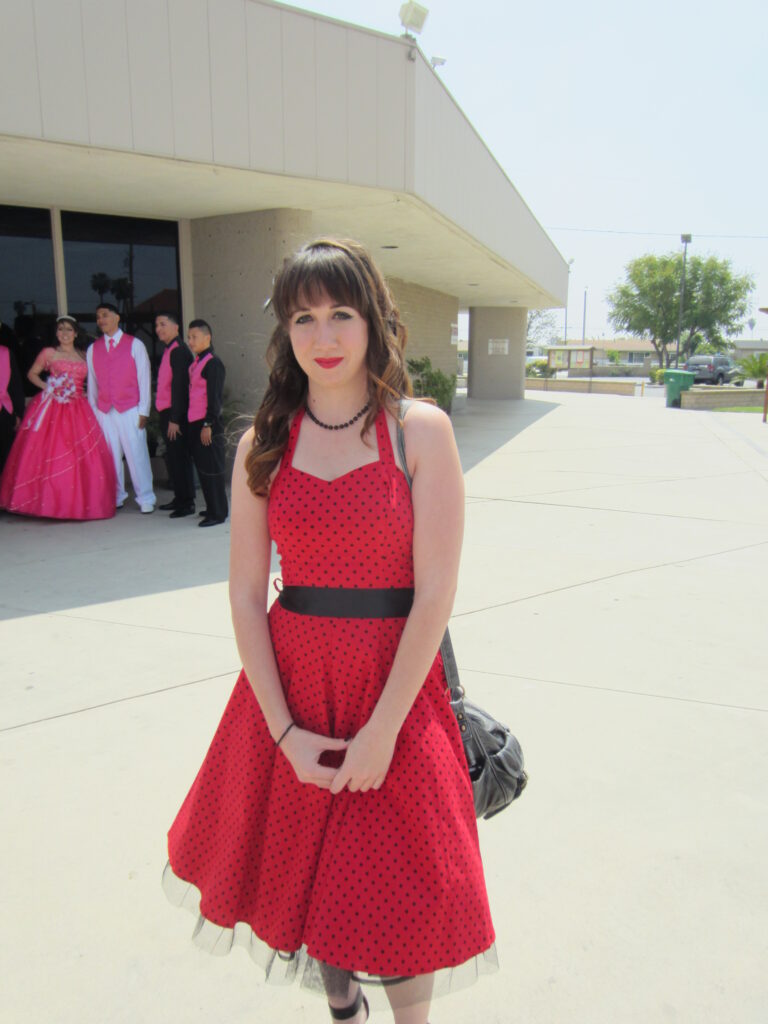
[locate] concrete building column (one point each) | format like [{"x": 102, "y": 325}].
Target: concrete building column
[
  {"x": 186, "y": 273},
  {"x": 497, "y": 352},
  {"x": 235, "y": 259}
]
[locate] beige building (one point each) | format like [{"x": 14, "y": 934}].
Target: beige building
[{"x": 161, "y": 149}]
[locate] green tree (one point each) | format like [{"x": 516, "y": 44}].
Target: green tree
[
  {"x": 647, "y": 303},
  {"x": 542, "y": 326}
]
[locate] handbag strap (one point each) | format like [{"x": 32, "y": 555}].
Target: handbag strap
[{"x": 446, "y": 646}]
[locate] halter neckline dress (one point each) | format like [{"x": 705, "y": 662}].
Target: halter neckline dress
[{"x": 386, "y": 884}]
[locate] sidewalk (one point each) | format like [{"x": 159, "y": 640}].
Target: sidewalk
[{"x": 611, "y": 608}]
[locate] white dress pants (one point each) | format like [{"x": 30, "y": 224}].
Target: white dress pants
[{"x": 121, "y": 429}]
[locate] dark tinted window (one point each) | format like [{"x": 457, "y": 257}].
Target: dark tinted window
[
  {"x": 27, "y": 283},
  {"x": 129, "y": 261}
]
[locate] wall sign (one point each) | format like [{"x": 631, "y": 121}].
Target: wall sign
[{"x": 498, "y": 346}]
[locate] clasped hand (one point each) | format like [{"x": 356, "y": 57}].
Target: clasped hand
[{"x": 365, "y": 765}]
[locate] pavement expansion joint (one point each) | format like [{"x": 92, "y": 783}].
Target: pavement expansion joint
[
  {"x": 610, "y": 576},
  {"x": 624, "y": 511},
  {"x": 119, "y": 700},
  {"x": 616, "y": 689},
  {"x": 141, "y": 625}
]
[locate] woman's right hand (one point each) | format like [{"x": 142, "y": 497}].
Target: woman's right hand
[{"x": 304, "y": 750}]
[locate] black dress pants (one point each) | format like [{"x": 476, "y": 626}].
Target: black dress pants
[
  {"x": 210, "y": 464},
  {"x": 7, "y": 434},
  {"x": 178, "y": 462}
]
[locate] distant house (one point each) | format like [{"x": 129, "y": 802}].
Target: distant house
[{"x": 743, "y": 347}]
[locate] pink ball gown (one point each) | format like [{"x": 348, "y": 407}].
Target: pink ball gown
[{"x": 60, "y": 466}]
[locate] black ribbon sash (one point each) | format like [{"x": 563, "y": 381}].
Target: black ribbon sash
[{"x": 347, "y": 602}]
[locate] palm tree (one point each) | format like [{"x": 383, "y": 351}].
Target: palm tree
[
  {"x": 755, "y": 367},
  {"x": 121, "y": 289},
  {"x": 101, "y": 284}
]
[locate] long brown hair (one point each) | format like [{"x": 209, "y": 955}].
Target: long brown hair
[{"x": 343, "y": 271}]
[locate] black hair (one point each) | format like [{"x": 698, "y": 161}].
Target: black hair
[
  {"x": 201, "y": 325},
  {"x": 173, "y": 317},
  {"x": 110, "y": 306}
]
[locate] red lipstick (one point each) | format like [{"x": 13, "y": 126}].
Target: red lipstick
[{"x": 328, "y": 364}]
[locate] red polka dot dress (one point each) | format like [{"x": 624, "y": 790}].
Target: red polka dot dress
[{"x": 387, "y": 884}]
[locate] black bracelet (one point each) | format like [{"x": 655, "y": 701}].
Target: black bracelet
[{"x": 285, "y": 733}]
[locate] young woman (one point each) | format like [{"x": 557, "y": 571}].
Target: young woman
[
  {"x": 332, "y": 820},
  {"x": 60, "y": 466}
]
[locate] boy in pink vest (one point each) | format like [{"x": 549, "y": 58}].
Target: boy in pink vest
[
  {"x": 206, "y": 428},
  {"x": 119, "y": 391},
  {"x": 172, "y": 403},
  {"x": 11, "y": 401}
]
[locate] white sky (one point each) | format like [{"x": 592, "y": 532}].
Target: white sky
[{"x": 621, "y": 125}]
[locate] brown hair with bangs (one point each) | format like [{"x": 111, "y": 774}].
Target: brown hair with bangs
[{"x": 344, "y": 271}]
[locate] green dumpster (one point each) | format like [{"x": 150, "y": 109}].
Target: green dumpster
[{"x": 677, "y": 381}]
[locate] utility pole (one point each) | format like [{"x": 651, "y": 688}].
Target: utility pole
[{"x": 584, "y": 320}]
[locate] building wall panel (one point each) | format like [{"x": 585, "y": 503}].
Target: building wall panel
[
  {"x": 105, "y": 42},
  {"x": 19, "y": 86},
  {"x": 497, "y": 216},
  {"x": 332, "y": 102},
  {"x": 428, "y": 315},
  {"x": 263, "y": 27},
  {"x": 190, "y": 75},
  {"x": 300, "y": 109},
  {"x": 229, "y": 82},
  {"x": 149, "y": 68},
  {"x": 391, "y": 70},
  {"x": 63, "y": 96},
  {"x": 362, "y": 89}
]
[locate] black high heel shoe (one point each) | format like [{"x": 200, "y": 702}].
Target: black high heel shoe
[{"x": 348, "y": 1012}]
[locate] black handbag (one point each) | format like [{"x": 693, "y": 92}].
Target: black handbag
[{"x": 494, "y": 756}]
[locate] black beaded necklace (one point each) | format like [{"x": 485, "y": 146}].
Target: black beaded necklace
[{"x": 338, "y": 426}]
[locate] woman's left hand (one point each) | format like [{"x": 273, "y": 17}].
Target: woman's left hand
[{"x": 366, "y": 761}]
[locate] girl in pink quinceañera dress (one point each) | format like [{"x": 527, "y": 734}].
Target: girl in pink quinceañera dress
[{"x": 60, "y": 466}]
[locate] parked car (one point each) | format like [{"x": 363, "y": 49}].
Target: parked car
[{"x": 713, "y": 369}]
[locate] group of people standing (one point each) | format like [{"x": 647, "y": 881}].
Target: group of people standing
[{"x": 62, "y": 457}]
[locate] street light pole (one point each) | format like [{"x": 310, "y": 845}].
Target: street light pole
[
  {"x": 584, "y": 321},
  {"x": 685, "y": 239}
]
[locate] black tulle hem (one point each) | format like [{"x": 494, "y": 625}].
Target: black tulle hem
[{"x": 288, "y": 967}]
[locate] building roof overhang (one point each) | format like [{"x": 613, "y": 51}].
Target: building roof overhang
[{"x": 410, "y": 240}]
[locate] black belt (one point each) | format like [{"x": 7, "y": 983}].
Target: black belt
[{"x": 348, "y": 603}]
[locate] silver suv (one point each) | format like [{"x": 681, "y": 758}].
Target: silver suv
[{"x": 713, "y": 369}]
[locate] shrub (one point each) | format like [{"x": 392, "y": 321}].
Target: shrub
[
  {"x": 754, "y": 367},
  {"x": 539, "y": 368},
  {"x": 429, "y": 382}
]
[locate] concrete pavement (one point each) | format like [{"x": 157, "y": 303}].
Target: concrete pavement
[{"x": 611, "y": 609}]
